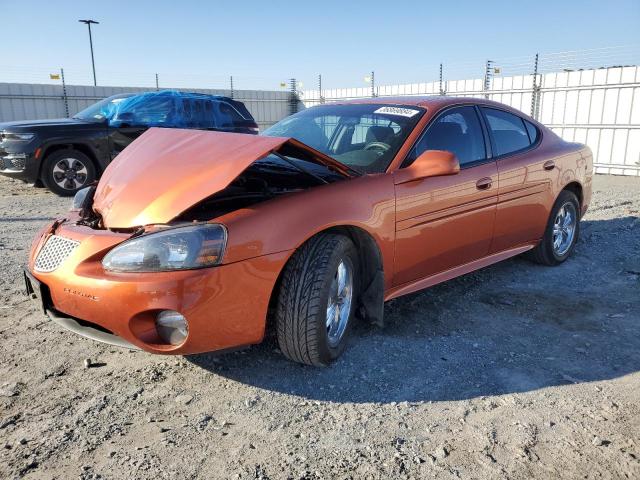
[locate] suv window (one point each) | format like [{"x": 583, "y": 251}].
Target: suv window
[
  {"x": 228, "y": 116},
  {"x": 153, "y": 111},
  {"x": 458, "y": 130},
  {"x": 508, "y": 131},
  {"x": 198, "y": 113}
]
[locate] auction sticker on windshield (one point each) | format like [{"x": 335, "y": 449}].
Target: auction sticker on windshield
[{"x": 404, "y": 112}]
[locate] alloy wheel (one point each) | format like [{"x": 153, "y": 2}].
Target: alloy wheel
[
  {"x": 339, "y": 304},
  {"x": 564, "y": 228},
  {"x": 70, "y": 173}
]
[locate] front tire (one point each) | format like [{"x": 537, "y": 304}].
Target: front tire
[
  {"x": 561, "y": 234},
  {"x": 317, "y": 300},
  {"x": 64, "y": 172}
]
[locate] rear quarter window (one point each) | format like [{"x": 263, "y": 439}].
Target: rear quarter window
[
  {"x": 533, "y": 131},
  {"x": 228, "y": 116}
]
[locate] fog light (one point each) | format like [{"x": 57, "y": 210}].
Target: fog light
[
  {"x": 15, "y": 161},
  {"x": 172, "y": 327}
]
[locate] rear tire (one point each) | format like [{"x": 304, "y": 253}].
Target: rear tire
[
  {"x": 317, "y": 300},
  {"x": 64, "y": 172},
  {"x": 561, "y": 234}
]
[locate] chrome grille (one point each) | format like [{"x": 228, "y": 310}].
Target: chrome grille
[{"x": 55, "y": 251}]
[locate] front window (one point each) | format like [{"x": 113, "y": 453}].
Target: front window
[
  {"x": 457, "y": 130},
  {"x": 150, "y": 110},
  {"x": 102, "y": 110},
  {"x": 364, "y": 137}
]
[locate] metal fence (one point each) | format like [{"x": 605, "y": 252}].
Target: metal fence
[
  {"x": 588, "y": 96},
  {"x": 596, "y": 106},
  {"x": 24, "y": 101}
]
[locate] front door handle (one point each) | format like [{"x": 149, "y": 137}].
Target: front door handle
[
  {"x": 484, "y": 183},
  {"x": 549, "y": 165}
]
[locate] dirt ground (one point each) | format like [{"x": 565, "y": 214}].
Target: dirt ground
[{"x": 516, "y": 371}]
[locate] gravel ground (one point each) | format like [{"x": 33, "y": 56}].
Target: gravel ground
[{"x": 515, "y": 371}]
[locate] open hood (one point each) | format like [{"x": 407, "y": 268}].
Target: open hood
[{"x": 166, "y": 171}]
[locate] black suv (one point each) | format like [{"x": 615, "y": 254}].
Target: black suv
[{"x": 67, "y": 154}]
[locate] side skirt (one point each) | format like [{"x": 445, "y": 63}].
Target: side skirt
[{"x": 422, "y": 283}]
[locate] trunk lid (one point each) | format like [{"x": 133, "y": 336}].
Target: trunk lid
[{"x": 165, "y": 171}]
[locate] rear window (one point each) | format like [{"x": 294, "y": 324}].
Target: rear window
[
  {"x": 508, "y": 131},
  {"x": 232, "y": 114}
]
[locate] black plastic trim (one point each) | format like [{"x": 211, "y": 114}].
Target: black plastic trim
[{"x": 87, "y": 330}]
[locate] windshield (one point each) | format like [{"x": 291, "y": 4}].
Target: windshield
[
  {"x": 364, "y": 137},
  {"x": 101, "y": 110}
]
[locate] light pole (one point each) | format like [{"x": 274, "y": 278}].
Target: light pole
[{"x": 93, "y": 64}]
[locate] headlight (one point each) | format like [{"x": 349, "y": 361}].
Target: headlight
[
  {"x": 16, "y": 137},
  {"x": 180, "y": 248},
  {"x": 80, "y": 197}
]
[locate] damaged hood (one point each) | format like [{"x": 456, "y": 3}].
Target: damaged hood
[{"x": 166, "y": 171}]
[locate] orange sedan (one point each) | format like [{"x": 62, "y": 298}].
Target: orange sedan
[{"x": 199, "y": 241}]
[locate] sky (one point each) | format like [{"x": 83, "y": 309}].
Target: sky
[{"x": 201, "y": 43}]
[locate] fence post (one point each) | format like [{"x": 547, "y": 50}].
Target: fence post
[
  {"x": 64, "y": 93},
  {"x": 373, "y": 84},
  {"x": 535, "y": 94},
  {"x": 293, "y": 96},
  {"x": 320, "y": 97},
  {"x": 231, "y": 85},
  {"x": 487, "y": 77},
  {"x": 157, "y": 83}
]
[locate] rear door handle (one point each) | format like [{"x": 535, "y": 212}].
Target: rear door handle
[
  {"x": 484, "y": 183},
  {"x": 549, "y": 165}
]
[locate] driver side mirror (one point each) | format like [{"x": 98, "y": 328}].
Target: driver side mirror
[{"x": 430, "y": 163}]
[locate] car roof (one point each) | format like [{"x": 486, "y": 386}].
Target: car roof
[
  {"x": 175, "y": 93},
  {"x": 426, "y": 101}
]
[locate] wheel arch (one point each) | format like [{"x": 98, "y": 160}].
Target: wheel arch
[{"x": 576, "y": 188}]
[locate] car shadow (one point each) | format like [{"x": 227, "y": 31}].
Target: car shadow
[{"x": 512, "y": 327}]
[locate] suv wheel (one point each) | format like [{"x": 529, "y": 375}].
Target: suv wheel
[
  {"x": 317, "y": 300},
  {"x": 64, "y": 172}
]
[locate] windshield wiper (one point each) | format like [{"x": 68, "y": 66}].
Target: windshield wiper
[{"x": 299, "y": 167}]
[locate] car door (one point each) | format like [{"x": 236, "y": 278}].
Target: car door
[
  {"x": 444, "y": 222},
  {"x": 136, "y": 117},
  {"x": 524, "y": 177}
]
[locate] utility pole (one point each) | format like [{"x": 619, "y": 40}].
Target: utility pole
[
  {"x": 442, "y": 92},
  {"x": 157, "y": 83},
  {"x": 93, "y": 63},
  {"x": 231, "y": 85}
]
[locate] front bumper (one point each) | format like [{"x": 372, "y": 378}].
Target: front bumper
[
  {"x": 21, "y": 165},
  {"x": 225, "y": 306}
]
